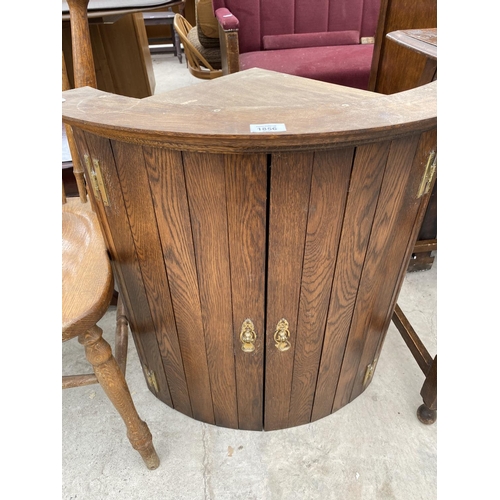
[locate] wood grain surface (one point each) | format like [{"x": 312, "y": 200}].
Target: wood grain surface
[
  {"x": 168, "y": 188},
  {"x": 121, "y": 246},
  {"x": 329, "y": 186},
  {"x": 205, "y": 181},
  {"x": 373, "y": 279},
  {"x": 209, "y": 225},
  {"x": 289, "y": 204},
  {"x": 317, "y": 115},
  {"x": 87, "y": 280},
  {"x": 366, "y": 178},
  {"x": 246, "y": 187},
  {"x": 134, "y": 184}
]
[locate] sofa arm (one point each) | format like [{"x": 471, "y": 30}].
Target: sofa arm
[
  {"x": 227, "y": 20},
  {"x": 228, "y": 37}
]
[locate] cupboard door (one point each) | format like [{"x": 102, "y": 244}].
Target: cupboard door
[
  {"x": 246, "y": 188},
  {"x": 120, "y": 240},
  {"x": 392, "y": 227},
  {"x": 288, "y": 210},
  {"x": 327, "y": 200},
  {"x": 168, "y": 189},
  {"x": 140, "y": 212},
  {"x": 205, "y": 182},
  {"x": 364, "y": 188},
  {"x": 227, "y": 206}
]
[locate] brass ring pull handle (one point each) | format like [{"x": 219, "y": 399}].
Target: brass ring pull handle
[
  {"x": 281, "y": 336},
  {"x": 248, "y": 336}
]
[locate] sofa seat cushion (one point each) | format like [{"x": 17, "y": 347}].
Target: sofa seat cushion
[
  {"x": 347, "y": 65},
  {"x": 302, "y": 40}
]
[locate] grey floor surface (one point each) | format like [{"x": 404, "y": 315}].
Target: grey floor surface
[{"x": 372, "y": 449}]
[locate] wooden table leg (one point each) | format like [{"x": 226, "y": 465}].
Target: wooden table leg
[
  {"x": 427, "y": 412},
  {"x": 109, "y": 375}
]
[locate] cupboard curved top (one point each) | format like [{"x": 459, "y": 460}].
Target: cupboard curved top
[{"x": 224, "y": 115}]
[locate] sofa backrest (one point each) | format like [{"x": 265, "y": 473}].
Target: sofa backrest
[{"x": 259, "y": 18}]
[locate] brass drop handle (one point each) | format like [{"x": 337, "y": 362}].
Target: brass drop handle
[
  {"x": 281, "y": 336},
  {"x": 248, "y": 336}
]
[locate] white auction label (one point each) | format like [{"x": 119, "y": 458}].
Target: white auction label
[{"x": 268, "y": 127}]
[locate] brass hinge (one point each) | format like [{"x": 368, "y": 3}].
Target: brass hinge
[
  {"x": 370, "y": 370},
  {"x": 430, "y": 170},
  {"x": 151, "y": 379},
  {"x": 97, "y": 180}
]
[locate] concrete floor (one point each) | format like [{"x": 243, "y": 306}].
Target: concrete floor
[{"x": 372, "y": 449}]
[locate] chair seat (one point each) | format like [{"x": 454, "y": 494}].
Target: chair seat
[
  {"x": 347, "y": 65},
  {"x": 87, "y": 280}
]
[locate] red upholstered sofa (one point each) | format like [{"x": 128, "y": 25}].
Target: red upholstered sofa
[{"x": 319, "y": 39}]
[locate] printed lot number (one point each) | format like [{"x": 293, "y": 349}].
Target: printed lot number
[{"x": 268, "y": 127}]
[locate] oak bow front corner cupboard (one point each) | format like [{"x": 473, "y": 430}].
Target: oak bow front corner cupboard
[{"x": 260, "y": 226}]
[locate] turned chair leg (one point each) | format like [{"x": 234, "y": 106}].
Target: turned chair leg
[{"x": 109, "y": 375}]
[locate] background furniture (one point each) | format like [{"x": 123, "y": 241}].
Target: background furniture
[
  {"x": 87, "y": 278},
  {"x": 331, "y": 40},
  {"x": 285, "y": 212},
  {"x": 167, "y": 34},
  {"x": 206, "y": 24},
  {"x": 202, "y": 62},
  {"x": 395, "y": 69},
  {"x": 119, "y": 44}
]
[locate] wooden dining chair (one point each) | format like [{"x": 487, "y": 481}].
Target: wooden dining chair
[
  {"x": 87, "y": 277},
  {"x": 204, "y": 63}
]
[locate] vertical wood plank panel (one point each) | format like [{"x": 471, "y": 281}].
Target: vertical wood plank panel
[
  {"x": 124, "y": 258},
  {"x": 374, "y": 274},
  {"x": 366, "y": 178},
  {"x": 289, "y": 203},
  {"x": 246, "y": 185},
  {"x": 408, "y": 221},
  {"x": 428, "y": 143},
  {"x": 139, "y": 206},
  {"x": 330, "y": 181},
  {"x": 166, "y": 177},
  {"x": 205, "y": 181}
]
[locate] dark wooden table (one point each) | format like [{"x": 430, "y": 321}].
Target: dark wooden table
[{"x": 421, "y": 41}]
